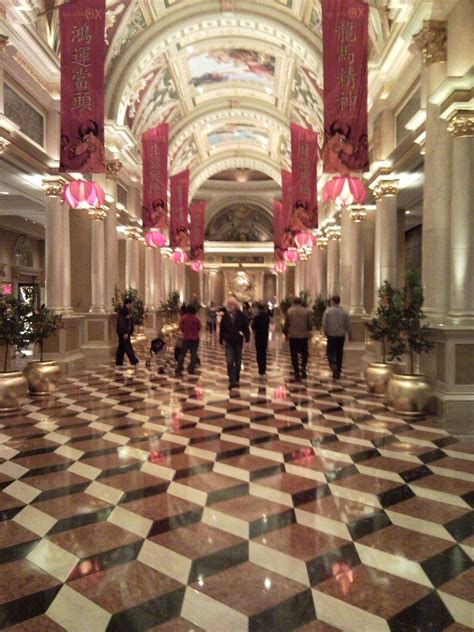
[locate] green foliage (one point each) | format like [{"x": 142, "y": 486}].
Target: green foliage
[
  {"x": 384, "y": 326},
  {"x": 170, "y": 307},
  {"x": 414, "y": 335},
  {"x": 14, "y": 326},
  {"x": 139, "y": 310},
  {"x": 319, "y": 307},
  {"x": 43, "y": 323}
]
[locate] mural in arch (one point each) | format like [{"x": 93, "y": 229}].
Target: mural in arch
[{"x": 232, "y": 64}]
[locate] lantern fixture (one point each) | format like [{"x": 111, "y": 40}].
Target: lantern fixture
[
  {"x": 344, "y": 191},
  {"x": 179, "y": 256},
  {"x": 304, "y": 240},
  {"x": 155, "y": 239},
  {"x": 84, "y": 194},
  {"x": 280, "y": 266},
  {"x": 197, "y": 265},
  {"x": 291, "y": 255}
]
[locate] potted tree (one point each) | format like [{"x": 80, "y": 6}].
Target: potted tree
[
  {"x": 42, "y": 376},
  {"x": 13, "y": 337},
  {"x": 383, "y": 328},
  {"x": 170, "y": 307},
  {"x": 411, "y": 393}
]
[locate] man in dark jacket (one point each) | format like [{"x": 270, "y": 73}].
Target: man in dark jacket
[
  {"x": 124, "y": 333},
  {"x": 233, "y": 331},
  {"x": 260, "y": 327},
  {"x": 298, "y": 331}
]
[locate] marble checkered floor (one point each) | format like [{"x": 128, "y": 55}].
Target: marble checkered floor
[{"x": 138, "y": 501}]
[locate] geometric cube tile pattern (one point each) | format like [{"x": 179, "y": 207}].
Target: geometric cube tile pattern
[{"x": 141, "y": 501}]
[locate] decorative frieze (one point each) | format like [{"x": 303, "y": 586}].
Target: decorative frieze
[{"x": 431, "y": 41}]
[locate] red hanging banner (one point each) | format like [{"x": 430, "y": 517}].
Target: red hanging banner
[
  {"x": 179, "y": 188},
  {"x": 345, "y": 57},
  {"x": 197, "y": 230},
  {"x": 287, "y": 205},
  {"x": 82, "y": 30},
  {"x": 304, "y": 157},
  {"x": 155, "y": 177},
  {"x": 278, "y": 228}
]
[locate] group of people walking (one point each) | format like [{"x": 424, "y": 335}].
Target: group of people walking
[{"x": 235, "y": 331}]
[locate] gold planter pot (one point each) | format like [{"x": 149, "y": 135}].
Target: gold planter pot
[
  {"x": 13, "y": 391},
  {"x": 377, "y": 376},
  {"x": 43, "y": 377},
  {"x": 409, "y": 395}
]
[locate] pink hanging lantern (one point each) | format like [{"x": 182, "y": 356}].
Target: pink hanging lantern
[
  {"x": 281, "y": 266},
  {"x": 344, "y": 190},
  {"x": 197, "y": 265},
  {"x": 304, "y": 240},
  {"x": 179, "y": 256},
  {"x": 84, "y": 194},
  {"x": 155, "y": 239},
  {"x": 291, "y": 255}
]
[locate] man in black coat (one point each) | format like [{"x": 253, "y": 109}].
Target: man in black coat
[
  {"x": 124, "y": 333},
  {"x": 260, "y": 327},
  {"x": 233, "y": 331}
]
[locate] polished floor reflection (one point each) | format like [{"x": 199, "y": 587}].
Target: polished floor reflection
[{"x": 140, "y": 501}]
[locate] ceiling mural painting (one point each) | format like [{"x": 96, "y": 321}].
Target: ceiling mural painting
[
  {"x": 232, "y": 64},
  {"x": 241, "y": 222},
  {"x": 238, "y": 133}
]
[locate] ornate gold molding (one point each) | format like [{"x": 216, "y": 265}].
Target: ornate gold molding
[
  {"x": 113, "y": 169},
  {"x": 53, "y": 188},
  {"x": 133, "y": 232},
  {"x": 386, "y": 188},
  {"x": 461, "y": 126},
  {"x": 358, "y": 213},
  {"x": 431, "y": 41},
  {"x": 3, "y": 145},
  {"x": 97, "y": 213}
]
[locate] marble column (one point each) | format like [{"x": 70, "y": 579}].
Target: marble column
[
  {"x": 97, "y": 261},
  {"x": 132, "y": 261},
  {"x": 111, "y": 237},
  {"x": 150, "y": 278},
  {"x": 333, "y": 282},
  {"x": 346, "y": 259},
  {"x": 461, "y": 241},
  {"x": 55, "y": 246},
  {"x": 321, "y": 265},
  {"x": 66, "y": 237},
  {"x": 431, "y": 41},
  {"x": 386, "y": 233},
  {"x": 158, "y": 271},
  {"x": 356, "y": 305}
]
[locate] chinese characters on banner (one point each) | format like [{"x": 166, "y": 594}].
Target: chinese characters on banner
[
  {"x": 179, "y": 188},
  {"x": 345, "y": 56},
  {"x": 287, "y": 205},
  {"x": 198, "y": 214},
  {"x": 82, "y": 26},
  {"x": 278, "y": 228},
  {"x": 304, "y": 157},
  {"x": 155, "y": 177}
]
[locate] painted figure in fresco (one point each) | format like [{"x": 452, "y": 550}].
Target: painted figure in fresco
[
  {"x": 90, "y": 147},
  {"x": 301, "y": 217},
  {"x": 197, "y": 254},
  {"x": 287, "y": 240},
  {"x": 338, "y": 149},
  {"x": 156, "y": 216},
  {"x": 182, "y": 238}
]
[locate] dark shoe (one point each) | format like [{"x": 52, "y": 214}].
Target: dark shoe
[
  {"x": 178, "y": 373},
  {"x": 304, "y": 375}
]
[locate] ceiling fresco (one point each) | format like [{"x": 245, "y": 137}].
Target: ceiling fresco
[{"x": 233, "y": 64}]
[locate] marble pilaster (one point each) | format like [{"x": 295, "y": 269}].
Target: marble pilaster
[
  {"x": 333, "y": 282},
  {"x": 386, "y": 231},
  {"x": 55, "y": 245},
  {"x": 111, "y": 237}
]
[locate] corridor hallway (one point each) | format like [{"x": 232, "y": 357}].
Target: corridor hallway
[{"x": 139, "y": 501}]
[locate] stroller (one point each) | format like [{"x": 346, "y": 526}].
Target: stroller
[{"x": 158, "y": 349}]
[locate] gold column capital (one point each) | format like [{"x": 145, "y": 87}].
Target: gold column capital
[
  {"x": 113, "y": 169},
  {"x": 133, "y": 232},
  {"x": 97, "y": 213},
  {"x": 431, "y": 41},
  {"x": 53, "y": 187},
  {"x": 461, "y": 125},
  {"x": 385, "y": 188}
]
